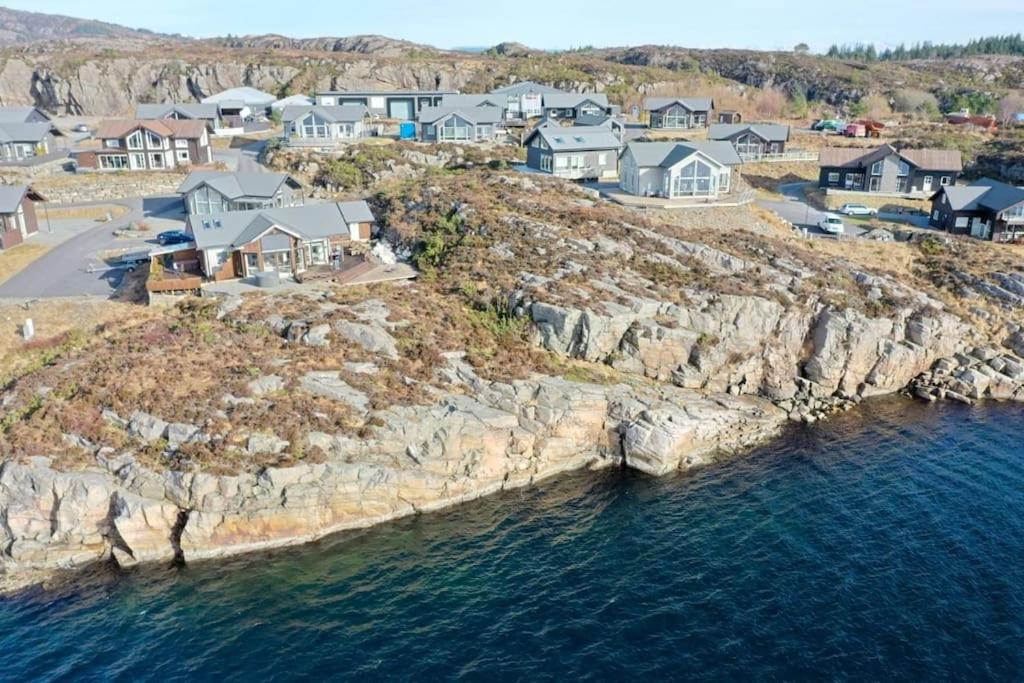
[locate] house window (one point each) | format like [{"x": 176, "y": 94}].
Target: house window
[
  {"x": 561, "y": 162},
  {"x": 961, "y": 221},
  {"x": 182, "y": 156},
  {"x": 876, "y": 168},
  {"x": 313, "y": 127},
  {"x": 207, "y": 200},
  {"x": 927, "y": 182},
  {"x": 137, "y": 160},
  {"x": 904, "y": 169},
  {"x": 833, "y": 178},
  {"x": 944, "y": 180},
  {"x": 156, "y": 161},
  {"x": 590, "y": 110},
  {"x": 694, "y": 179},
  {"x": 181, "y": 144},
  {"x": 135, "y": 140},
  {"x": 153, "y": 141},
  {"x": 602, "y": 158},
  {"x": 112, "y": 142},
  {"x": 854, "y": 181},
  {"x": 454, "y": 128},
  {"x": 935, "y": 215},
  {"x": 1014, "y": 212},
  {"x": 545, "y": 163},
  {"x": 675, "y": 117},
  {"x": 723, "y": 180},
  {"x": 875, "y": 185},
  {"x": 577, "y": 162},
  {"x": 113, "y": 161},
  {"x": 749, "y": 146}
]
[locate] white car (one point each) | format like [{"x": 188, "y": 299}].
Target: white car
[
  {"x": 81, "y": 128},
  {"x": 857, "y": 210},
  {"x": 832, "y": 224}
]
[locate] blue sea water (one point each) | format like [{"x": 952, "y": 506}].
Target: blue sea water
[{"x": 887, "y": 543}]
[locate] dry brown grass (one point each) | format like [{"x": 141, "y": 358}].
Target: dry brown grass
[
  {"x": 97, "y": 212},
  {"x": 14, "y": 260}
]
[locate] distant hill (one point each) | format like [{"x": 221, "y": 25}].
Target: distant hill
[
  {"x": 365, "y": 44},
  {"x": 18, "y": 27}
]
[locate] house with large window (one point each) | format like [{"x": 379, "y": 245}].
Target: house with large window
[
  {"x": 986, "y": 209},
  {"x": 679, "y": 112},
  {"x": 148, "y": 145},
  {"x": 887, "y": 170},
  {"x": 206, "y": 192},
  {"x": 462, "y": 124},
  {"x": 573, "y": 152},
  {"x": 677, "y": 169},
  {"x": 324, "y": 124},
  {"x": 752, "y": 141},
  {"x": 401, "y": 105},
  {"x": 20, "y": 142},
  {"x": 17, "y": 214},
  {"x": 525, "y": 100},
  {"x": 289, "y": 240},
  {"x": 574, "y": 106},
  {"x": 190, "y": 111}
]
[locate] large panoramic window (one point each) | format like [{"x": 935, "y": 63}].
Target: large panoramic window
[
  {"x": 748, "y": 146},
  {"x": 454, "y": 128},
  {"x": 113, "y": 161},
  {"x": 314, "y": 127},
  {"x": 1014, "y": 212},
  {"x": 206, "y": 200},
  {"x": 675, "y": 117},
  {"x": 135, "y": 140},
  {"x": 876, "y": 168},
  {"x": 694, "y": 179}
]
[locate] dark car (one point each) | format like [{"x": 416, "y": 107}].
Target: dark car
[{"x": 173, "y": 237}]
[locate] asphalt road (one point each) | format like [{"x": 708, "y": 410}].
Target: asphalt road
[
  {"x": 243, "y": 158},
  {"x": 795, "y": 209}
]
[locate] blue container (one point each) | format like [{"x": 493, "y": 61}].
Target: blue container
[{"x": 407, "y": 130}]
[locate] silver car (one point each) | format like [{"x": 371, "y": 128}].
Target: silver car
[{"x": 857, "y": 210}]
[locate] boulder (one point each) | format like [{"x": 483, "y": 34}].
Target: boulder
[
  {"x": 371, "y": 337},
  {"x": 147, "y": 427}
]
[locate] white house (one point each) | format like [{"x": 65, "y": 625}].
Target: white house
[{"x": 677, "y": 169}]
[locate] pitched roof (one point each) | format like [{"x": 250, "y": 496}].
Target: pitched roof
[
  {"x": 308, "y": 221},
  {"x": 691, "y": 103},
  {"x": 457, "y": 101},
  {"x": 189, "y": 110},
  {"x": 665, "y": 154},
  {"x": 246, "y": 94},
  {"x": 338, "y": 113},
  {"x": 26, "y": 132},
  {"x": 482, "y": 114},
  {"x": 178, "y": 128},
  {"x": 770, "y": 132},
  {"x": 19, "y": 114},
  {"x": 576, "y": 138},
  {"x": 998, "y": 196},
  {"x": 568, "y": 100},
  {"x": 11, "y": 196},
  {"x": 293, "y": 101},
  {"x": 234, "y": 185},
  {"x": 924, "y": 159},
  {"x": 525, "y": 87},
  {"x": 964, "y": 197}
]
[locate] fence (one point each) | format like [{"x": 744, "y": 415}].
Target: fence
[{"x": 795, "y": 155}]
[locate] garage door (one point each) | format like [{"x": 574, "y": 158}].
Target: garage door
[{"x": 401, "y": 110}]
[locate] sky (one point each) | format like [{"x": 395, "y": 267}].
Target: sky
[{"x": 754, "y": 24}]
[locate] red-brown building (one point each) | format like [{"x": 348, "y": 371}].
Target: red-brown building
[
  {"x": 17, "y": 214},
  {"x": 149, "y": 145}
]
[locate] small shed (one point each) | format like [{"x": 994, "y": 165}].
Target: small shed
[{"x": 730, "y": 116}]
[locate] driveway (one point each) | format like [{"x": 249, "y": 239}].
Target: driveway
[
  {"x": 83, "y": 262},
  {"x": 794, "y": 209},
  {"x": 244, "y": 158}
]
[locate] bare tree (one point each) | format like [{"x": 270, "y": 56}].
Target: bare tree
[
  {"x": 1010, "y": 106},
  {"x": 769, "y": 103}
]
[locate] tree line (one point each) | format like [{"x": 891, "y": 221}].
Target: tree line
[{"x": 1012, "y": 44}]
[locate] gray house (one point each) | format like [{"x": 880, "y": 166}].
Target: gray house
[
  {"x": 986, "y": 209},
  {"x": 525, "y": 100},
  {"x": 679, "y": 112},
  {"x": 574, "y": 152},
  {"x": 462, "y": 124},
  {"x": 403, "y": 105},
  {"x": 205, "y": 112},
  {"x": 574, "y": 106},
  {"x": 23, "y": 115},
  {"x": 677, "y": 169},
  {"x": 21, "y": 141},
  {"x": 752, "y": 140},
  {"x": 317, "y": 124},
  {"x": 218, "y": 191},
  {"x": 888, "y": 170}
]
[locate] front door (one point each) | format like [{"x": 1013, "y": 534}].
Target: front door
[
  {"x": 926, "y": 186},
  {"x": 979, "y": 228}
]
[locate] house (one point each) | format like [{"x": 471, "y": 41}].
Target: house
[
  {"x": 751, "y": 140},
  {"x": 679, "y": 112},
  {"x": 206, "y": 192},
  {"x": 677, "y": 169},
  {"x": 21, "y": 141},
  {"x": 147, "y": 145},
  {"x": 461, "y": 124},
  {"x": 17, "y": 214},
  {"x": 574, "y": 106},
  {"x": 241, "y": 104},
  {"x": 574, "y": 152},
  {"x": 888, "y": 170},
  {"x": 186, "y": 112},
  {"x": 289, "y": 239},
  {"x": 525, "y": 100},
  {"x": 730, "y": 116},
  {"x": 324, "y": 124},
  {"x": 987, "y": 209},
  {"x": 23, "y": 115},
  {"x": 402, "y": 105},
  {"x": 292, "y": 101}
]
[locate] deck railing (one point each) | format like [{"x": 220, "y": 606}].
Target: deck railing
[{"x": 795, "y": 155}]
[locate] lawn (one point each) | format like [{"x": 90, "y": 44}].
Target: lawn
[{"x": 14, "y": 260}]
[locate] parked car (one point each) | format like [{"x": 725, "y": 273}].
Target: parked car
[
  {"x": 173, "y": 237},
  {"x": 832, "y": 224},
  {"x": 81, "y": 128},
  {"x": 828, "y": 124},
  {"x": 857, "y": 210}
]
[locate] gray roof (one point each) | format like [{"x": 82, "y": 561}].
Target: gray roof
[
  {"x": 18, "y": 114},
  {"x": 576, "y": 138},
  {"x": 293, "y": 101},
  {"x": 250, "y": 96},
  {"x": 665, "y": 154},
  {"x": 191, "y": 110},
  {"x": 691, "y": 103},
  {"x": 598, "y": 120},
  {"x": 457, "y": 101},
  {"x": 309, "y": 221},
  {"x": 339, "y": 113},
  {"x": 382, "y": 93},
  {"x": 235, "y": 185},
  {"x": 770, "y": 132},
  {"x": 964, "y": 197},
  {"x": 10, "y": 197},
  {"x": 482, "y": 114},
  {"x": 569, "y": 100},
  {"x": 26, "y": 132},
  {"x": 526, "y": 87},
  {"x": 994, "y": 195}
]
